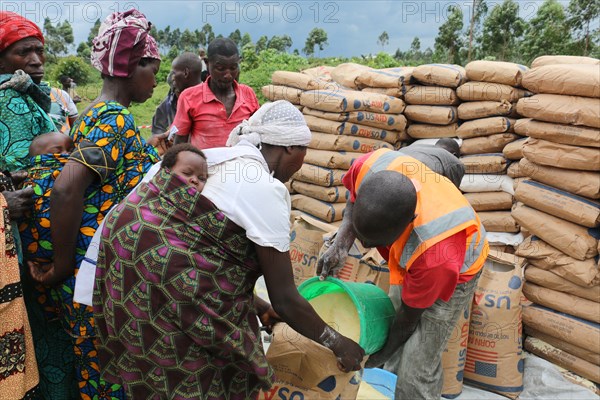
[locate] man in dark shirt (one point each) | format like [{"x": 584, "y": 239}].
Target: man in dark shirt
[
  {"x": 442, "y": 158},
  {"x": 185, "y": 72}
]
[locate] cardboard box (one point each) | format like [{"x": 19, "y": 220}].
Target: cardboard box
[
  {"x": 306, "y": 240},
  {"x": 362, "y": 265},
  {"x": 303, "y": 368}
]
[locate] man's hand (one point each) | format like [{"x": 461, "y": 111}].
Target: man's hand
[
  {"x": 381, "y": 357},
  {"x": 161, "y": 142},
  {"x": 19, "y": 202},
  {"x": 332, "y": 261},
  {"x": 404, "y": 325}
]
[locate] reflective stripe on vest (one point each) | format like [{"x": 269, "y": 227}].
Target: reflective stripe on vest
[{"x": 446, "y": 213}]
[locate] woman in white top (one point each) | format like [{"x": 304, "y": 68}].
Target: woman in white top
[{"x": 174, "y": 302}]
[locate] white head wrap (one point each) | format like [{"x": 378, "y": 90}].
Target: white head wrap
[{"x": 278, "y": 124}]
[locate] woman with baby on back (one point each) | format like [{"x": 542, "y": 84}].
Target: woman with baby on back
[
  {"x": 174, "y": 300},
  {"x": 109, "y": 159}
]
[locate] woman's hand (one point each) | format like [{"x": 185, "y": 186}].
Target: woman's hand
[
  {"x": 268, "y": 319},
  {"x": 349, "y": 355},
  {"x": 18, "y": 177},
  {"x": 42, "y": 273},
  {"x": 267, "y": 315},
  {"x": 19, "y": 202}
]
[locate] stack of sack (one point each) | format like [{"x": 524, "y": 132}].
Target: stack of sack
[
  {"x": 395, "y": 82},
  {"x": 485, "y": 347},
  {"x": 559, "y": 206},
  {"x": 432, "y": 100},
  {"x": 488, "y": 118},
  {"x": 345, "y": 124},
  {"x": 286, "y": 85}
]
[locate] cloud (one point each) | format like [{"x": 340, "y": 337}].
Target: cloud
[{"x": 352, "y": 26}]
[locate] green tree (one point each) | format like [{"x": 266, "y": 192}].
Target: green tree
[
  {"x": 174, "y": 37},
  {"x": 414, "y": 55},
  {"x": 209, "y": 35},
  {"x": 246, "y": 39},
  {"x": 58, "y": 38},
  {"x": 383, "y": 60},
  {"x": 93, "y": 32},
  {"x": 84, "y": 51},
  {"x": 547, "y": 33},
  {"x": 383, "y": 39},
  {"x": 200, "y": 38},
  {"x": 74, "y": 67},
  {"x": 427, "y": 56},
  {"x": 594, "y": 47},
  {"x": 154, "y": 32},
  {"x": 249, "y": 57},
  {"x": 478, "y": 11},
  {"x": 162, "y": 38},
  {"x": 236, "y": 36},
  {"x": 173, "y": 52},
  {"x": 448, "y": 41},
  {"x": 316, "y": 37},
  {"x": 280, "y": 43},
  {"x": 415, "y": 45},
  {"x": 398, "y": 55},
  {"x": 188, "y": 41},
  {"x": 502, "y": 31},
  {"x": 261, "y": 43},
  {"x": 581, "y": 14}
]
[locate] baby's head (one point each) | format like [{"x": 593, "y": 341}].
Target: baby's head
[
  {"x": 51, "y": 143},
  {"x": 187, "y": 162}
]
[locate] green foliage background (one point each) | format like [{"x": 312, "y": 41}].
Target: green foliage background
[{"x": 495, "y": 32}]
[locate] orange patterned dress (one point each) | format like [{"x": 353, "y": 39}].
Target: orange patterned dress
[{"x": 18, "y": 369}]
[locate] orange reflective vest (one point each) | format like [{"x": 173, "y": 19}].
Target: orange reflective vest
[{"x": 441, "y": 212}]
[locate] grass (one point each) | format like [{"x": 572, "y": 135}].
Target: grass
[{"x": 142, "y": 112}]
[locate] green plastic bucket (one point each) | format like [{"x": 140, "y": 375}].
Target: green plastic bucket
[{"x": 374, "y": 307}]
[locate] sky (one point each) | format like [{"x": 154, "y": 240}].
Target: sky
[{"x": 352, "y": 26}]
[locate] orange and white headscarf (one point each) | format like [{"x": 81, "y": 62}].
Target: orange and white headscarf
[{"x": 122, "y": 41}]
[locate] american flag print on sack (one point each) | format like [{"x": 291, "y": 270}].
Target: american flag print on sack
[{"x": 482, "y": 362}]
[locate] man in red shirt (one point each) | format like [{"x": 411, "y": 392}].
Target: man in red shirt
[
  {"x": 435, "y": 246},
  {"x": 207, "y": 113}
]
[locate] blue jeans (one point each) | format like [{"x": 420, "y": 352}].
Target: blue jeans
[{"x": 418, "y": 363}]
